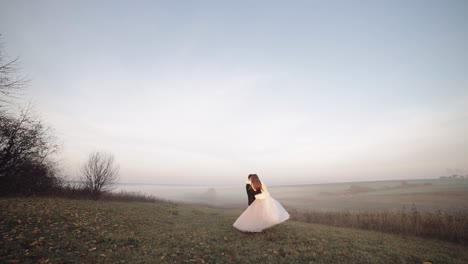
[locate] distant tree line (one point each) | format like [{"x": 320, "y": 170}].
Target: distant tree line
[
  {"x": 27, "y": 146},
  {"x": 455, "y": 174}
]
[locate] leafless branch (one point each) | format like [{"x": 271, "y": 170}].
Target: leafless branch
[{"x": 11, "y": 82}]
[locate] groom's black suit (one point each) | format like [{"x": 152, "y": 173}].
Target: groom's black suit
[{"x": 251, "y": 193}]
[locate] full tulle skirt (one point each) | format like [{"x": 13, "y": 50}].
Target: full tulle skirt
[{"x": 260, "y": 215}]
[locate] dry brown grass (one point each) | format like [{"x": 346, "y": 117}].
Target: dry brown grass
[
  {"x": 78, "y": 193},
  {"x": 124, "y": 196},
  {"x": 451, "y": 227}
]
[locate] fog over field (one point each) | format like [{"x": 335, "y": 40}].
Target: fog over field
[{"x": 450, "y": 195}]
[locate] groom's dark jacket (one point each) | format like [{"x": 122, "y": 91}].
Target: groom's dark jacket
[{"x": 250, "y": 194}]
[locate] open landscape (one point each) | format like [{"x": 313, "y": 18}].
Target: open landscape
[
  {"x": 427, "y": 195},
  {"x": 330, "y": 223},
  {"x": 435, "y": 208},
  {"x": 234, "y": 131},
  {"x": 42, "y": 230}
]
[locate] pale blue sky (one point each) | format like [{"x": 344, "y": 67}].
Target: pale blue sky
[{"x": 210, "y": 91}]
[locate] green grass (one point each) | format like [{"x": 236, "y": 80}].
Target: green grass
[{"x": 77, "y": 231}]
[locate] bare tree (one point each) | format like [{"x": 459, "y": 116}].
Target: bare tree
[
  {"x": 99, "y": 173},
  {"x": 24, "y": 138},
  {"x": 26, "y": 145}
]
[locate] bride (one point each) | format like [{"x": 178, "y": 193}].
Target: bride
[{"x": 264, "y": 212}]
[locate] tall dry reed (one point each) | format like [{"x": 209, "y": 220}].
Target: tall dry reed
[{"x": 441, "y": 225}]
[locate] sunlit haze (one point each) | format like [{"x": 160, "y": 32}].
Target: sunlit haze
[{"x": 207, "y": 92}]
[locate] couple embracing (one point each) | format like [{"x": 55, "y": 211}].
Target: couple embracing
[{"x": 263, "y": 211}]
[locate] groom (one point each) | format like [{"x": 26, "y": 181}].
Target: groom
[{"x": 250, "y": 195}]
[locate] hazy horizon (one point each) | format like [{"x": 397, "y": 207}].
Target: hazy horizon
[
  {"x": 374, "y": 195},
  {"x": 208, "y": 92}
]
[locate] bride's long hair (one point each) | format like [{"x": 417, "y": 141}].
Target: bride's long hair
[{"x": 256, "y": 183}]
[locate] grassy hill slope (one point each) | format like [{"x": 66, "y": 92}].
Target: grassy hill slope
[{"x": 74, "y": 231}]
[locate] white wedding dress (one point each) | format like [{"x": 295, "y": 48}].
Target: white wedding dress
[{"x": 263, "y": 213}]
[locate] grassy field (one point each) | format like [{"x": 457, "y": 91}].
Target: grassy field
[{"x": 43, "y": 230}]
